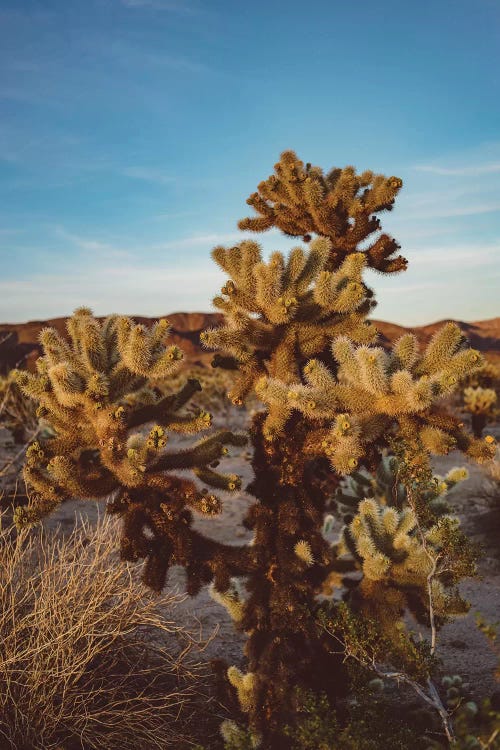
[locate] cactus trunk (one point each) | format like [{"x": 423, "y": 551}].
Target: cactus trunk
[{"x": 285, "y": 649}]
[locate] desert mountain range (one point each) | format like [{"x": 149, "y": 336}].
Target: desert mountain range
[{"x": 19, "y": 346}]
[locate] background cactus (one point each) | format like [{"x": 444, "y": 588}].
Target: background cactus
[
  {"x": 96, "y": 393},
  {"x": 385, "y": 487},
  {"x": 480, "y": 402}
]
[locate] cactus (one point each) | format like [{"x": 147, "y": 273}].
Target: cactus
[
  {"x": 398, "y": 563},
  {"x": 96, "y": 393},
  {"x": 385, "y": 487},
  {"x": 480, "y": 403},
  {"x": 295, "y": 331}
]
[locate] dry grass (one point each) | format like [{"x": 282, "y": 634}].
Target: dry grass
[{"x": 88, "y": 658}]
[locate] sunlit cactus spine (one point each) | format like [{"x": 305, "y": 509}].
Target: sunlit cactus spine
[{"x": 110, "y": 433}]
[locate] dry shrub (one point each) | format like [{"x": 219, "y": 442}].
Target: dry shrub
[{"x": 88, "y": 657}]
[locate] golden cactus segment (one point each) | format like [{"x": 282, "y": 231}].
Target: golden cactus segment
[
  {"x": 303, "y": 551},
  {"x": 245, "y": 687},
  {"x": 296, "y": 293},
  {"x": 300, "y": 199}
]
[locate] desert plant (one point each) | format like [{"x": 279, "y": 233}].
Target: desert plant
[
  {"x": 480, "y": 403},
  {"x": 88, "y": 658},
  {"x": 95, "y": 393},
  {"x": 296, "y": 330},
  {"x": 480, "y": 396},
  {"x": 388, "y": 491},
  {"x": 296, "y": 335}
]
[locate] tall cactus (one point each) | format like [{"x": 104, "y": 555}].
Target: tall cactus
[{"x": 295, "y": 329}]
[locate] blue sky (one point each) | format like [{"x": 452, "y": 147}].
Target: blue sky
[{"x": 133, "y": 131}]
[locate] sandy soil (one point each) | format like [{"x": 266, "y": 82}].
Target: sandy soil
[{"x": 461, "y": 645}]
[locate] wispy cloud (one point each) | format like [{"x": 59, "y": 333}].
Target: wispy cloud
[
  {"x": 148, "y": 174},
  {"x": 174, "y": 215},
  {"x": 153, "y": 291},
  {"x": 116, "y": 248},
  {"x": 456, "y": 257},
  {"x": 167, "y": 5},
  {"x": 467, "y": 210},
  {"x": 460, "y": 171},
  {"x": 89, "y": 244},
  {"x": 176, "y": 62}
]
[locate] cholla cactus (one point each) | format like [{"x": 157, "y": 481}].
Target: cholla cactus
[
  {"x": 300, "y": 200},
  {"x": 288, "y": 335},
  {"x": 480, "y": 402},
  {"x": 385, "y": 487},
  {"x": 374, "y": 389},
  {"x": 95, "y": 392},
  {"x": 390, "y": 551},
  {"x": 297, "y": 336},
  {"x": 274, "y": 318},
  {"x": 17, "y": 412}
]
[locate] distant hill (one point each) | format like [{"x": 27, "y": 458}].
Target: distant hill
[{"x": 19, "y": 345}]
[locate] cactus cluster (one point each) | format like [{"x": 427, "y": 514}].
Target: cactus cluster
[
  {"x": 398, "y": 560},
  {"x": 97, "y": 392},
  {"x": 479, "y": 400},
  {"x": 272, "y": 316},
  {"x": 374, "y": 389}
]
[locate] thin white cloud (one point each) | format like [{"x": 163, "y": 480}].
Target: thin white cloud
[
  {"x": 460, "y": 171},
  {"x": 148, "y": 174},
  {"x": 89, "y": 244},
  {"x": 467, "y": 210},
  {"x": 176, "y": 62},
  {"x": 455, "y": 257},
  {"x": 175, "y": 215},
  {"x": 167, "y": 5},
  {"x": 127, "y": 289},
  {"x": 115, "y": 248}
]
